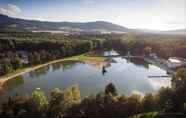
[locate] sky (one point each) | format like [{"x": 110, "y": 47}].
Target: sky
[{"x": 143, "y": 14}]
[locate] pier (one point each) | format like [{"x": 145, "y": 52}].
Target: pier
[
  {"x": 158, "y": 76},
  {"x": 124, "y": 56}
]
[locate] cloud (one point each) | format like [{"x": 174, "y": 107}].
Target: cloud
[{"x": 10, "y": 10}]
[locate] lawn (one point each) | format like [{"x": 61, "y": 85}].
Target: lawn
[{"x": 85, "y": 57}]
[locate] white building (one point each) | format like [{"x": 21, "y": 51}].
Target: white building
[
  {"x": 173, "y": 62},
  {"x": 153, "y": 55},
  {"x": 24, "y": 57}
]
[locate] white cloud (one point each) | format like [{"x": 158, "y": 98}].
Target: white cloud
[{"x": 10, "y": 10}]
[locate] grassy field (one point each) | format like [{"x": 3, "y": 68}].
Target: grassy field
[{"x": 85, "y": 57}]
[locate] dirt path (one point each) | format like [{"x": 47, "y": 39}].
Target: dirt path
[{"x": 26, "y": 70}]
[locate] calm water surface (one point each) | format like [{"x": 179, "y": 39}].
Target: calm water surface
[{"x": 127, "y": 75}]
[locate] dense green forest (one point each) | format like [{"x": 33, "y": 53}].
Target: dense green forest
[
  {"x": 166, "y": 103},
  {"x": 38, "y": 48},
  {"x": 163, "y": 45}
]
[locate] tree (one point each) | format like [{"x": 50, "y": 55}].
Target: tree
[
  {"x": 179, "y": 86},
  {"x": 165, "y": 99},
  {"x": 133, "y": 104},
  {"x": 55, "y": 105},
  {"x": 147, "y": 50},
  {"x": 169, "y": 106},
  {"x": 71, "y": 97},
  {"x": 39, "y": 100},
  {"x": 16, "y": 62},
  {"x": 148, "y": 103},
  {"x": 37, "y": 58},
  {"x": 6, "y": 66},
  {"x": 179, "y": 80},
  {"x": 111, "y": 89},
  {"x": 185, "y": 107}
]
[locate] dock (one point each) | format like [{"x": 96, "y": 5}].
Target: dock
[
  {"x": 158, "y": 76},
  {"x": 125, "y": 56}
]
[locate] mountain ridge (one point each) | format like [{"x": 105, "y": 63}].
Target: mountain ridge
[{"x": 6, "y": 21}]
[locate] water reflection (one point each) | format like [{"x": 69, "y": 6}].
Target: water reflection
[
  {"x": 57, "y": 66},
  {"x": 67, "y": 65},
  {"x": 128, "y": 75},
  {"x": 138, "y": 62},
  {"x": 13, "y": 83},
  {"x": 106, "y": 53},
  {"x": 104, "y": 71},
  {"x": 39, "y": 72}
]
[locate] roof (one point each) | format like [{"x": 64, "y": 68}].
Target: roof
[{"x": 174, "y": 60}]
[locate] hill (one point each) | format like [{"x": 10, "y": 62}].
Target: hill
[{"x": 34, "y": 25}]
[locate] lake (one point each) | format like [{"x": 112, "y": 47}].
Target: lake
[{"x": 129, "y": 76}]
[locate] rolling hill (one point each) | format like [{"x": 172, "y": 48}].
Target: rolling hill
[
  {"x": 7, "y": 22},
  {"x": 17, "y": 24}
]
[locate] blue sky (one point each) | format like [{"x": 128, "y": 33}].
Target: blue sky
[{"x": 144, "y": 14}]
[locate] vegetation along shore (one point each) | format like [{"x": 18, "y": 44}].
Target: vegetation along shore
[{"x": 82, "y": 57}]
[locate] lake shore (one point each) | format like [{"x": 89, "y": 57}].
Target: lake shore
[{"x": 84, "y": 58}]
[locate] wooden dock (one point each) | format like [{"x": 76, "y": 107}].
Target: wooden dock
[
  {"x": 124, "y": 56},
  {"x": 158, "y": 76}
]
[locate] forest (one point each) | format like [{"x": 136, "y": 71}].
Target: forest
[
  {"x": 23, "y": 49},
  {"x": 164, "y": 46},
  {"x": 18, "y": 50}
]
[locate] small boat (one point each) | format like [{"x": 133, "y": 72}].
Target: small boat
[
  {"x": 104, "y": 70},
  {"x": 38, "y": 88}
]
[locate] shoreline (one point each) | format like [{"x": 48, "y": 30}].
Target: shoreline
[
  {"x": 161, "y": 64},
  {"x": 96, "y": 61},
  {"x": 29, "y": 69},
  {"x": 26, "y": 70}
]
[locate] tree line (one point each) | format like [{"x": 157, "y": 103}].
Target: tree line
[
  {"x": 166, "y": 103},
  {"x": 42, "y": 47},
  {"x": 164, "y": 46}
]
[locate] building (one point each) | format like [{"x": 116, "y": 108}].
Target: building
[
  {"x": 153, "y": 55},
  {"x": 174, "y": 62},
  {"x": 24, "y": 57}
]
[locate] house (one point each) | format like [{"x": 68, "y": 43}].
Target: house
[
  {"x": 24, "y": 57},
  {"x": 153, "y": 55},
  {"x": 174, "y": 62}
]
